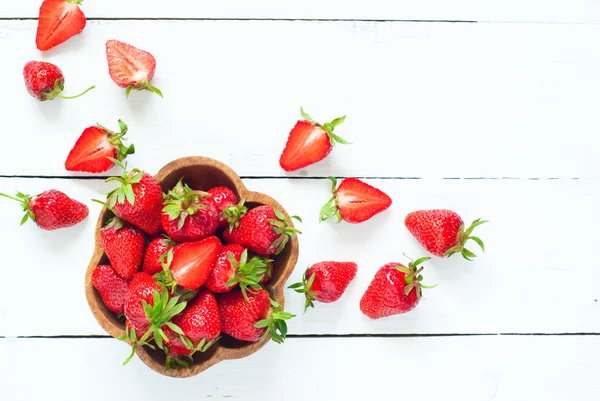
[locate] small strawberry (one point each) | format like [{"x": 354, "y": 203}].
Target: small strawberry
[
  {"x": 395, "y": 289},
  {"x": 233, "y": 268},
  {"x": 230, "y": 208},
  {"x": 309, "y": 142},
  {"x": 262, "y": 230},
  {"x": 441, "y": 232},
  {"x": 189, "y": 215},
  {"x": 130, "y": 67},
  {"x": 58, "y": 21},
  {"x": 155, "y": 254},
  {"x": 124, "y": 246},
  {"x": 96, "y": 147},
  {"x": 325, "y": 282},
  {"x": 112, "y": 288},
  {"x": 51, "y": 209},
  {"x": 138, "y": 200},
  {"x": 354, "y": 201},
  {"x": 141, "y": 289},
  {"x": 45, "y": 81},
  {"x": 254, "y": 318},
  {"x": 189, "y": 264}
]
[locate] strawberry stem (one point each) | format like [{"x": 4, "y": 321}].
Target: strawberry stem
[
  {"x": 76, "y": 96},
  {"x": 23, "y": 200},
  {"x": 330, "y": 210},
  {"x": 304, "y": 287},
  {"x": 462, "y": 237}
]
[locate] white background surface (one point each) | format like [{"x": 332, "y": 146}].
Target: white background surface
[{"x": 496, "y": 119}]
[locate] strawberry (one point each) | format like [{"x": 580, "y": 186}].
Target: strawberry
[
  {"x": 354, "y": 201},
  {"x": 229, "y": 207},
  {"x": 441, "y": 232},
  {"x": 45, "y": 81},
  {"x": 58, "y": 21},
  {"x": 309, "y": 142},
  {"x": 262, "y": 230},
  {"x": 189, "y": 215},
  {"x": 155, "y": 254},
  {"x": 325, "y": 282},
  {"x": 395, "y": 289},
  {"x": 130, "y": 67},
  {"x": 112, "y": 288},
  {"x": 254, "y": 318},
  {"x": 233, "y": 268},
  {"x": 141, "y": 289},
  {"x": 138, "y": 200},
  {"x": 51, "y": 210},
  {"x": 189, "y": 264},
  {"x": 96, "y": 147},
  {"x": 124, "y": 246}
]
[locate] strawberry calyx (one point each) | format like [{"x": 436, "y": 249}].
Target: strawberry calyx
[
  {"x": 144, "y": 84},
  {"x": 165, "y": 278},
  {"x": 179, "y": 362},
  {"x": 275, "y": 323},
  {"x": 233, "y": 214},
  {"x": 125, "y": 191},
  {"x": 24, "y": 200},
  {"x": 181, "y": 202},
  {"x": 462, "y": 237},
  {"x": 413, "y": 276},
  {"x": 304, "y": 287},
  {"x": 279, "y": 226},
  {"x": 115, "y": 140},
  {"x": 248, "y": 273},
  {"x": 76, "y": 2},
  {"x": 331, "y": 210},
  {"x": 327, "y": 127}
]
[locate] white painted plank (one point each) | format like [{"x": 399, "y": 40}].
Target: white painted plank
[
  {"x": 493, "y": 10},
  {"x": 539, "y": 273},
  {"x": 423, "y": 100},
  {"x": 463, "y": 368}
]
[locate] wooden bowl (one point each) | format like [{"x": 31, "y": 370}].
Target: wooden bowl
[{"x": 199, "y": 173}]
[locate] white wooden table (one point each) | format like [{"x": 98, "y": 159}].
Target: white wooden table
[{"x": 489, "y": 108}]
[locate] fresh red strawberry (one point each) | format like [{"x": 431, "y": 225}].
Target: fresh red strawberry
[
  {"x": 442, "y": 233},
  {"x": 112, "y": 288},
  {"x": 58, "y": 21},
  {"x": 141, "y": 289},
  {"x": 45, "y": 81},
  {"x": 189, "y": 215},
  {"x": 138, "y": 200},
  {"x": 262, "y": 230},
  {"x": 233, "y": 268},
  {"x": 51, "y": 209},
  {"x": 96, "y": 147},
  {"x": 155, "y": 254},
  {"x": 229, "y": 207},
  {"x": 354, "y": 201},
  {"x": 189, "y": 264},
  {"x": 395, "y": 289},
  {"x": 325, "y": 282},
  {"x": 124, "y": 246},
  {"x": 254, "y": 318},
  {"x": 309, "y": 142},
  {"x": 130, "y": 67}
]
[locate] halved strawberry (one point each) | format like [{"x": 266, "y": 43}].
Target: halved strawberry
[
  {"x": 58, "y": 21},
  {"x": 354, "y": 201},
  {"x": 96, "y": 147},
  {"x": 309, "y": 142},
  {"x": 130, "y": 67}
]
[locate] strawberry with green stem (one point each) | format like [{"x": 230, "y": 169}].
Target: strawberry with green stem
[
  {"x": 155, "y": 255},
  {"x": 45, "y": 81},
  {"x": 230, "y": 208}
]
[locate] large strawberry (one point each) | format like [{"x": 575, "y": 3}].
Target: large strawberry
[
  {"x": 262, "y": 230},
  {"x": 354, "y": 201},
  {"x": 309, "y": 142},
  {"x": 395, "y": 289},
  {"x": 230, "y": 208},
  {"x": 155, "y": 254},
  {"x": 138, "y": 200},
  {"x": 189, "y": 215},
  {"x": 325, "y": 282},
  {"x": 96, "y": 147},
  {"x": 130, "y": 67},
  {"x": 124, "y": 246},
  {"x": 51, "y": 209},
  {"x": 112, "y": 288},
  {"x": 233, "y": 268},
  {"x": 254, "y": 318},
  {"x": 442, "y": 233},
  {"x": 58, "y": 21},
  {"x": 45, "y": 81}
]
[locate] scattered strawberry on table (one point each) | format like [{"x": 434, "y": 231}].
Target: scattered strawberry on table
[
  {"x": 130, "y": 67},
  {"x": 325, "y": 282},
  {"x": 96, "y": 148},
  {"x": 354, "y": 201},
  {"x": 45, "y": 81},
  {"x": 123, "y": 244},
  {"x": 58, "y": 21},
  {"x": 441, "y": 232}
]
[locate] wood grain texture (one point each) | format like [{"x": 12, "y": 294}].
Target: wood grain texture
[
  {"x": 422, "y": 100},
  {"x": 538, "y": 274},
  {"x": 493, "y": 10}
]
